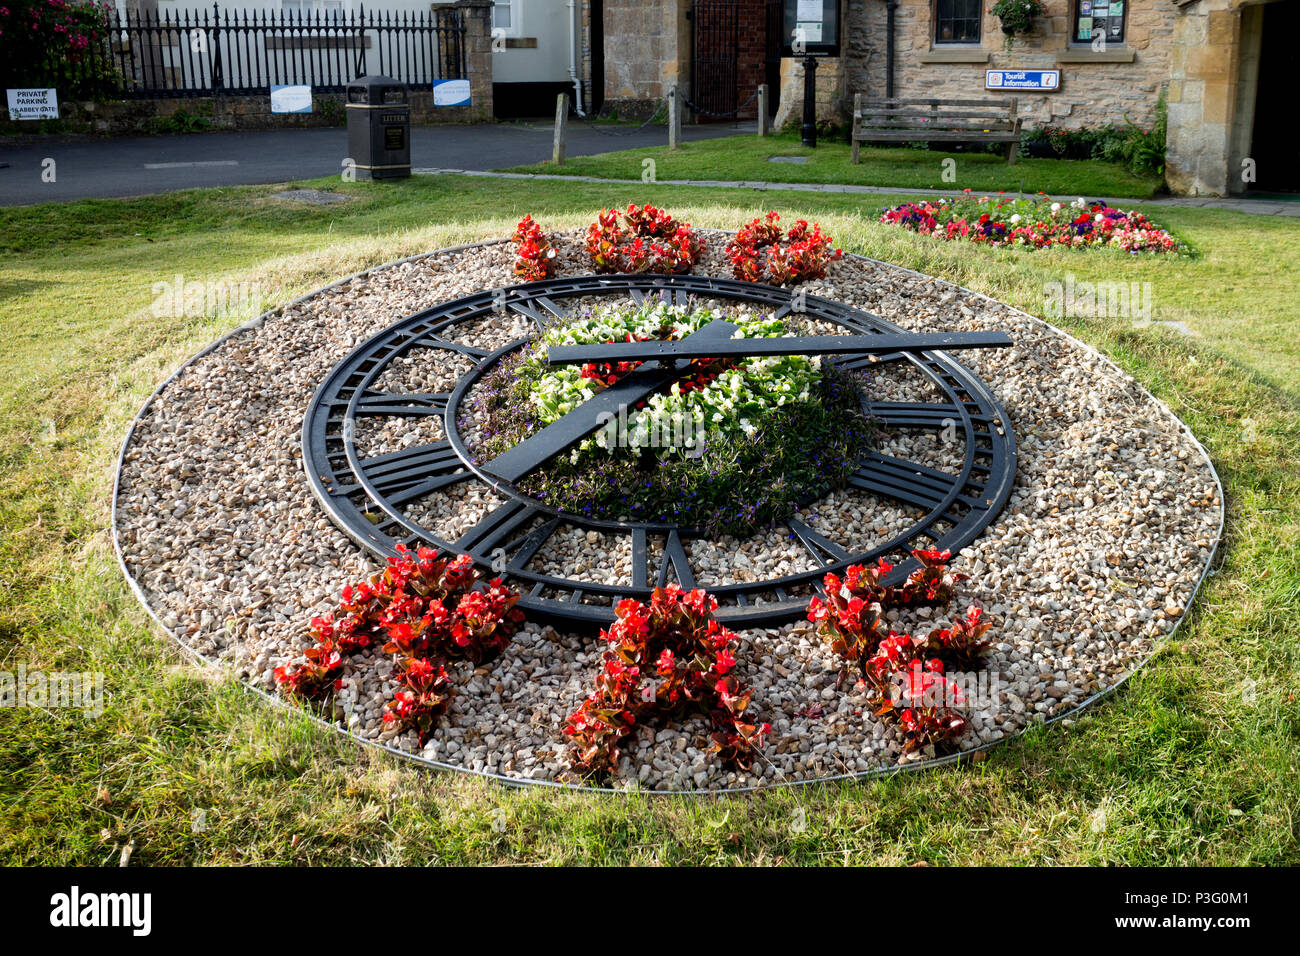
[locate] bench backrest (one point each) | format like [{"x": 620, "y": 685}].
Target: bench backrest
[{"x": 993, "y": 115}]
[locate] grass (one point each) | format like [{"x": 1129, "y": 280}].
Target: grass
[
  {"x": 184, "y": 767},
  {"x": 746, "y": 158}
]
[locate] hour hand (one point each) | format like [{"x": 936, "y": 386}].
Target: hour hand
[{"x": 636, "y": 386}]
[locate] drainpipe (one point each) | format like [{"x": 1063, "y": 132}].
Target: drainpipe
[
  {"x": 573, "y": 58},
  {"x": 889, "y": 47}
]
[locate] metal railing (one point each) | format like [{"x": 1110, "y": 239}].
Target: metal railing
[{"x": 192, "y": 53}]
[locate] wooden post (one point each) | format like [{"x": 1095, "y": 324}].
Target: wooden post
[
  {"x": 561, "y": 126},
  {"x": 1013, "y": 148},
  {"x": 674, "y": 118},
  {"x": 762, "y": 109},
  {"x": 857, "y": 128}
]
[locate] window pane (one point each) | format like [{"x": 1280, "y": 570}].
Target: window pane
[
  {"x": 1097, "y": 18},
  {"x": 501, "y": 15},
  {"x": 957, "y": 21}
]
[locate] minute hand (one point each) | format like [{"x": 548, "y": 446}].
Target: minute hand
[{"x": 690, "y": 348}]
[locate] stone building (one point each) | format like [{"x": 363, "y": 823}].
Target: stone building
[{"x": 1216, "y": 63}]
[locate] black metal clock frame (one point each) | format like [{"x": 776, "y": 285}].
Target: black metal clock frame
[{"x": 365, "y": 496}]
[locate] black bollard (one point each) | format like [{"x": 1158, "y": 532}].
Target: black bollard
[{"x": 809, "y": 128}]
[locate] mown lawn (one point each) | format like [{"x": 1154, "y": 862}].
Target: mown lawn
[
  {"x": 748, "y": 158},
  {"x": 1181, "y": 766}
]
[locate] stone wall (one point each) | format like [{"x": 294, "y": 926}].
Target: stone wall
[
  {"x": 477, "y": 15},
  {"x": 1096, "y": 88},
  {"x": 647, "y": 49},
  {"x": 833, "y": 102},
  {"x": 196, "y": 114},
  {"x": 586, "y": 67},
  {"x": 751, "y": 28}
]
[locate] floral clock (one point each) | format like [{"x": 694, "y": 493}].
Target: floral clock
[{"x": 599, "y": 362}]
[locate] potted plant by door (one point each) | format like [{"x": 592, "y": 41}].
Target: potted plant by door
[{"x": 1017, "y": 16}]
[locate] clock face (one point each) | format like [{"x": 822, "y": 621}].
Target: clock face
[{"x": 390, "y": 452}]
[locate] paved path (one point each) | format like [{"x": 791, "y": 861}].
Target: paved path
[
  {"x": 88, "y": 168},
  {"x": 1257, "y": 207}
]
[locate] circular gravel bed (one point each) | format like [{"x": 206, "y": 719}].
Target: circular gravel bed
[{"x": 1112, "y": 525}]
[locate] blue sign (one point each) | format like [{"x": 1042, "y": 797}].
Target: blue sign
[
  {"x": 451, "y": 93},
  {"x": 290, "y": 99},
  {"x": 1043, "y": 81}
]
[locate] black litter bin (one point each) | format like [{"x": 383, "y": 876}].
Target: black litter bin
[{"x": 379, "y": 128}]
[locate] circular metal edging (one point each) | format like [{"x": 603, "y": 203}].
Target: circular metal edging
[{"x": 517, "y": 782}]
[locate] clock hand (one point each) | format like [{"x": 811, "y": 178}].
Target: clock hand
[
  {"x": 692, "y": 348},
  {"x": 567, "y": 431}
]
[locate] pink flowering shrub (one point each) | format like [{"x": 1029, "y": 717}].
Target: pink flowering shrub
[
  {"x": 41, "y": 39},
  {"x": 1036, "y": 223}
]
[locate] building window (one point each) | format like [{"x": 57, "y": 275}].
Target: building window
[
  {"x": 957, "y": 21},
  {"x": 504, "y": 17},
  {"x": 329, "y": 8},
  {"x": 1097, "y": 18}
]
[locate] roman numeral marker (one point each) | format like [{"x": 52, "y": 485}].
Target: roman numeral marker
[
  {"x": 908, "y": 482},
  {"x": 402, "y": 476}
]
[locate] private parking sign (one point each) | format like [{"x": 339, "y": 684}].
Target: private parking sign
[{"x": 33, "y": 104}]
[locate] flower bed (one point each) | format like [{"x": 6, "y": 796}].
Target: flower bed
[
  {"x": 1126, "y": 503},
  {"x": 425, "y": 609},
  {"x": 727, "y": 397},
  {"x": 732, "y": 449},
  {"x": 641, "y": 239},
  {"x": 536, "y": 253},
  {"x": 911, "y": 677},
  {"x": 759, "y": 252},
  {"x": 1036, "y": 223},
  {"x": 663, "y": 662}
]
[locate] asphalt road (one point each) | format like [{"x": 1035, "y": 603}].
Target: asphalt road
[{"x": 140, "y": 165}]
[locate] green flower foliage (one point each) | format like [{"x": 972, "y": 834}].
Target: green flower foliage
[{"x": 730, "y": 450}]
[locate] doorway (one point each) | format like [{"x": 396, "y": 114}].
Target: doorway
[
  {"x": 735, "y": 46},
  {"x": 715, "y": 58},
  {"x": 1273, "y": 142},
  {"x": 597, "y": 47}
]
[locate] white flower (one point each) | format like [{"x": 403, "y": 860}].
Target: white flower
[{"x": 1015, "y": 219}]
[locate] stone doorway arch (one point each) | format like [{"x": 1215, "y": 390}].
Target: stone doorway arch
[{"x": 1214, "y": 91}]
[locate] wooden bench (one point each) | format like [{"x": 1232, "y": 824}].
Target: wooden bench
[{"x": 935, "y": 121}]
